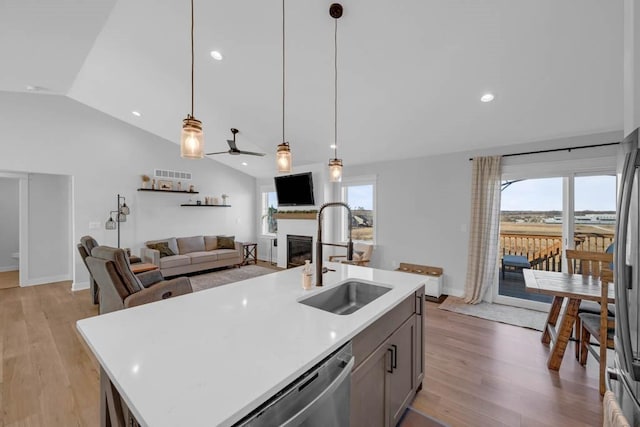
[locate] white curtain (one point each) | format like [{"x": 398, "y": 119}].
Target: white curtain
[{"x": 485, "y": 224}]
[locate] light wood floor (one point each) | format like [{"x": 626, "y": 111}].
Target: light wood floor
[
  {"x": 478, "y": 372},
  {"x": 9, "y": 279}
]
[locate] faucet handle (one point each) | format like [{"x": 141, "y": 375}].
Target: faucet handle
[{"x": 326, "y": 269}]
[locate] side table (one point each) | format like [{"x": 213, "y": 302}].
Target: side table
[{"x": 250, "y": 252}]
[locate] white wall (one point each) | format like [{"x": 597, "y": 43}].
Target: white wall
[
  {"x": 423, "y": 204},
  {"x": 9, "y": 236},
  {"x": 49, "y": 229},
  {"x": 56, "y": 135}
]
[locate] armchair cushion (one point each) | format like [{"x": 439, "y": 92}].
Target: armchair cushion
[
  {"x": 121, "y": 263},
  {"x": 162, "y": 247},
  {"x": 149, "y": 278},
  {"x": 226, "y": 242},
  {"x": 159, "y": 291}
]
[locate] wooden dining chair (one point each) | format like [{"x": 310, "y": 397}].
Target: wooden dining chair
[
  {"x": 601, "y": 327},
  {"x": 588, "y": 264}
]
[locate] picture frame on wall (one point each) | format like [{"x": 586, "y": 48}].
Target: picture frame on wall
[{"x": 165, "y": 184}]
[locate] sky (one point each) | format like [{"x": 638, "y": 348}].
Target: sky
[{"x": 596, "y": 193}]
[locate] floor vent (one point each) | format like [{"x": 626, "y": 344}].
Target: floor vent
[{"x": 163, "y": 173}]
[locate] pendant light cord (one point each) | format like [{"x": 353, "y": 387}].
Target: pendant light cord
[
  {"x": 335, "y": 92},
  {"x": 283, "y": 72},
  {"x": 192, "y": 60}
]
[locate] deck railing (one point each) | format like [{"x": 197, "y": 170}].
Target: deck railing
[{"x": 544, "y": 252}]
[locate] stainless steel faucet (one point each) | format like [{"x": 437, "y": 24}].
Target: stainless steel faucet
[{"x": 319, "y": 269}]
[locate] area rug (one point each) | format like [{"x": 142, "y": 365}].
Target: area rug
[
  {"x": 229, "y": 275},
  {"x": 517, "y": 316}
]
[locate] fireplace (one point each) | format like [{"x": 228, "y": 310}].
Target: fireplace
[{"x": 299, "y": 249}]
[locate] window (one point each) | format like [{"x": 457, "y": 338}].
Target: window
[
  {"x": 360, "y": 195},
  {"x": 269, "y": 209}
]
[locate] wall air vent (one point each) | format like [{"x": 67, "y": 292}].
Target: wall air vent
[{"x": 167, "y": 174}]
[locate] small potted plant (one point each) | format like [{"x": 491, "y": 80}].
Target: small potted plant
[{"x": 145, "y": 180}]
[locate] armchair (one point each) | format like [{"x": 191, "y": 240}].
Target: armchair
[
  {"x": 121, "y": 288},
  {"x": 361, "y": 255}
]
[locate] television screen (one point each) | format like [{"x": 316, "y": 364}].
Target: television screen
[{"x": 295, "y": 190}]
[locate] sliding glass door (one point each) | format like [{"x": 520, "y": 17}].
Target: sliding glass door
[{"x": 541, "y": 217}]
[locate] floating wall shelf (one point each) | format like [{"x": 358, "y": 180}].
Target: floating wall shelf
[
  {"x": 168, "y": 191},
  {"x": 206, "y": 206}
]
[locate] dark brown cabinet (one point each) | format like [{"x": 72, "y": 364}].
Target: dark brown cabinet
[
  {"x": 387, "y": 371},
  {"x": 419, "y": 348}
]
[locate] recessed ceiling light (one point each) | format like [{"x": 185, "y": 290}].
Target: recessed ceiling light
[
  {"x": 244, "y": 163},
  {"x": 216, "y": 55},
  {"x": 487, "y": 97},
  {"x": 136, "y": 113},
  {"x": 333, "y": 146}
]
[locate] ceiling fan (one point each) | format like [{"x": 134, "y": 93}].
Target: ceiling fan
[{"x": 233, "y": 149}]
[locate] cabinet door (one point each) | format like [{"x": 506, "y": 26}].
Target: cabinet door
[
  {"x": 402, "y": 379},
  {"x": 419, "y": 339},
  {"x": 369, "y": 390}
]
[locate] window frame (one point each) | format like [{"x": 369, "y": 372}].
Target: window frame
[
  {"x": 264, "y": 210},
  {"x": 353, "y": 182}
]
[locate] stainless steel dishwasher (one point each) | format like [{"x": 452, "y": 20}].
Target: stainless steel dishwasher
[{"x": 320, "y": 397}]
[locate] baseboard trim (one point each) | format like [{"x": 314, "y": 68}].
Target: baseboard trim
[
  {"x": 9, "y": 268},
  {"x": 46, "y": 280},
  {"x": 79, "y": 286}
]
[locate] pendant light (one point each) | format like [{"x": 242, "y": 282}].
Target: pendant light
[
  {"x": 283, "y": 155},
  {"x": 335, "y": 164},
  {"x": 192, "y": 138}
]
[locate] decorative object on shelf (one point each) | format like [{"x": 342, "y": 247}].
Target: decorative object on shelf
[
  {"x": 179, "y": 186},
  {"x": 224, "y": 199},
  {"x": 145, "y": 180},
  {"x": 121, "y": 216},
  {"x": 335, "y": 164},
  {"x": 165, "y": 185},
  {"x": 192, "y": 189},
  {"x": 283, "y": 155},
  {"x": 198, "y": 202},
  {"x": 233, "y": 148},
  {"x": 192, "y": 137},
  {"x": 215, "y": 201},
  {"x": 153, "y": 184}
]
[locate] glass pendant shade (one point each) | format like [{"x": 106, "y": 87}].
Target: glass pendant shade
[
  {"x": 110, "y": 224},
  {"x": 121, "y": 217},
  {"x": 192, "y": 139},
  {"x": 283, "y": 158},
  {"x": 335, "y": 170},
  {"x": 124, "y": 209}
]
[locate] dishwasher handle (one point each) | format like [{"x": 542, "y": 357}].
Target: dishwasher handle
[{"x": 346, "y": 371}]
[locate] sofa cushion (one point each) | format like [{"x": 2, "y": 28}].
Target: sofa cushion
[
  {"x": 174, "y": 261},
  {"x": 226, "y": 242},
  {"x": 190, "y": 244},
  {"x": 226, "y": 253},
  {"x": 210, "y": 243},
  {"x": 171, "y": 241},
  {"x": 205, "y": 256},
  {"x": 162, "y": 247}
]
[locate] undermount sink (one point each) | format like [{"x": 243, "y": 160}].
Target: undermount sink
[{"x": 346, "y": 298}]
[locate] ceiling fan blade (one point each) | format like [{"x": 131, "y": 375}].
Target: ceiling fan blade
[
  {"x": 218, "y": 152},
  {"x": 232, "y": 145},
  {"x": 251, "y": 153}
]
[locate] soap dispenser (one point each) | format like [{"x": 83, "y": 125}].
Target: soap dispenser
[{"x": 307, "y": 275}]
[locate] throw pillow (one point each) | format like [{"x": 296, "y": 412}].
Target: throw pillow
[
  {"x": 162, "y": 247},
  {"x": 226, "y": 242}
]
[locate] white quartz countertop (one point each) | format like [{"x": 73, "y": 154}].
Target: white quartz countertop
[{"x": 211, "y": 357}]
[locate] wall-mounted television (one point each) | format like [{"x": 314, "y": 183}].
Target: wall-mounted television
[{"x": 295, "y": 190}]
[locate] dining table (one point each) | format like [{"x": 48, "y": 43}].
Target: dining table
[{"x": 575, "y": 288}]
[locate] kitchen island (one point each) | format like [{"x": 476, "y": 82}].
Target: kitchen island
[{"x": 211, "y": 357}]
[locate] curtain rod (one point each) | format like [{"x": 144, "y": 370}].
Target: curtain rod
[{"x": 551, "y": 150}]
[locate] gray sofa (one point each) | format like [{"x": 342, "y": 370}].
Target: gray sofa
[{"x": 195, "y": 253}]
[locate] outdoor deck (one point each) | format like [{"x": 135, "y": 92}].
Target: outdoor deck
[{"x": 513, "y": 286}]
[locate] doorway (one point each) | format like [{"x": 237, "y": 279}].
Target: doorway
[
  {"x": 541, "y": 217},
  {"x": 9, "y": 230}
]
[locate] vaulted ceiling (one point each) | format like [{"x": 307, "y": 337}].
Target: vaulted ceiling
[{"x": 410, "y": 72}]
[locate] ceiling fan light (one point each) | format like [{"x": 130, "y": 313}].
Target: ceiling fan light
[
  {"x": 192, "y": 139},
  {"x": 335, "y": 170},
  {"x": 283, "y": 158}
]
